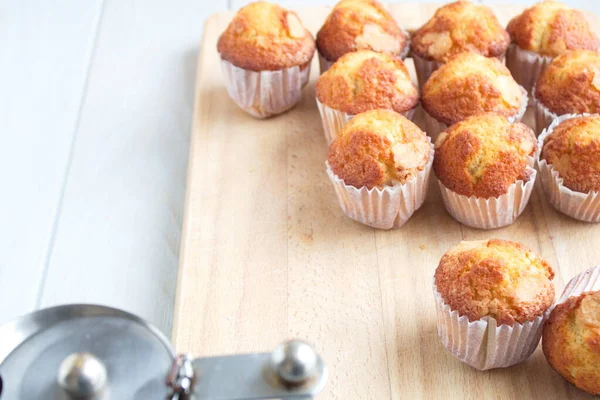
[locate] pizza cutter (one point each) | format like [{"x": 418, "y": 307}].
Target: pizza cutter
[{"x": 91, "y": 352}]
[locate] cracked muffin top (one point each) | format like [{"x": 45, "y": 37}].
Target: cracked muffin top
[
  {"x": 495, "y": 278},
  {"x": 571, "y": 340},
  {"x": 360, "y": 24},
  {"x": 570, "y": 84},
  {"x": 471, "y": 84},
  {"x": 573, "y": 149},
  {"x": 550, "y": 28},
  {"x": 484, "y": 155},
  {"x": 366, "y": 80},
  {"x": 264, "y": 36},
  {"x": 377, "y": 148},
  {"x": 460, "y": 27}
]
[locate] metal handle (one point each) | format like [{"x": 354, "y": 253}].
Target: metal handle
[{"x": 293, "y": 371}]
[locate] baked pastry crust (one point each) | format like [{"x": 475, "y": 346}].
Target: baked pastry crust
[
  {"x": 550, "y": 28},
  {"x": 484, "y": 155},
  {"x": 495, "y": 278},
  {"x": 459, "y": 27},
  {"x": 360, "y": 24},
  {"x": 571, "y": 341},
  {"x": 377, "y": 148},
  {"x": 471, "y": 84},
  {"x": 571, "y": 83},
  {"x": 573, "y": 149},
  {"x": 266, "y": 37},
  {"x": 366, "y": 80}
]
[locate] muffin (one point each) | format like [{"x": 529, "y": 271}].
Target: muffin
[
  {"x": 484, "y": 165},
  {"x": 569, "y": 85},
  {"x": 357, "y": 25},
  {"x": 467, "y": 85},
  {"x": 456, "y": 28},
  {"x": 360, "y": 81},
  {"x": 379, "y": 166},
  {"x": 569, "y": 166},
  {"x": 492, "y": 298},
  {"x": 571, "y": 341},
  {"x": 542, "y": 32},
  {"x": 265, "y": 56}
]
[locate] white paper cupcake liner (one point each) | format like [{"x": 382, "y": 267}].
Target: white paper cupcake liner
[
  {"x": 324, "y": 64},
  {"x": 334, "y": 121},
  {"x": 483, "y": 344},
  {"x": 525, "y": 66},
  {"x": 587, "y": 281},
  {"x": 490, "y": 213},
  {"x": 385, "y": 208},
  {"x": 581, "y": 206},
  {"x": 543, "y": 116},
  {"x": 424, "y": 68},
  {"x": 435, "y": 127},
  {"x": 265, "y": 93}
]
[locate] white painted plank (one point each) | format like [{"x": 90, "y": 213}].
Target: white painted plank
[
  {"x": 117, "y": 237},
  {"x": 46, "y": 50}
]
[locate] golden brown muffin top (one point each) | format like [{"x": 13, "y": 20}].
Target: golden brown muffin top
[
  {"x": 360, "y": 24},
  {"x": 365, "y": 80},
  {"x": 471, "y": 84},
  {"x": 571, "y": 340},
  {"x": 379, "y": 147},
  {"x": 495, "y": 278},
  {"x": 458, "y": 27},
  {"x": 550, "y": 28},
  {"x": 263, "y": 36},
  {"x": 573, "y": 149},
  {"x": 483, "y": 155},
  {"x": 571, "y": 83}
]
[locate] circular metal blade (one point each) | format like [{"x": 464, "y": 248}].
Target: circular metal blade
[{"x": 136, "y": 355}]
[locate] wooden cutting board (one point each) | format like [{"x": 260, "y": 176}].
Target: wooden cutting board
[{"x": 267, "y": 254}]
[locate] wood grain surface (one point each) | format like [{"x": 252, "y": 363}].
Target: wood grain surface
[{"x": 268, "y": 255}]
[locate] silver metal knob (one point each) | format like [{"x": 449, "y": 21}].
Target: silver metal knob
[
  {"x": 82, "y": 376},
  {"x": 295, "y": 362}
]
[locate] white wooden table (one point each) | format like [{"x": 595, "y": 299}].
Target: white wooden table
[{"x": 95, "y": 111}]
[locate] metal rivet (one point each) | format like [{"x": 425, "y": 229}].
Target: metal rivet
[
  {"x": 295, "y": 362},
  {"x": 82, "y": 375}
]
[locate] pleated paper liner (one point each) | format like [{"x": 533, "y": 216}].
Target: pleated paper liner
[
  {"x": 543, "y": 116},
  {"x": 525, "y": 66},
  {"x": 435, "y": 127},
  {"x": 334, "y": 121},
  {"x": 324, "y": 64},
  {"x": 383, "y": 208},
  {"x": 483, "y": 344},
  {"x": 265, "y": 93},
  {"x": 587, "y": 281},
  {"x": 490, "y": 213},
  {"x": 581, "y": 206},
  {"x": 424, "y": 68}
]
